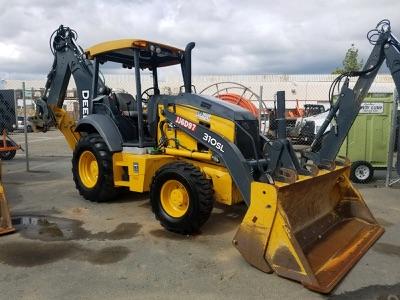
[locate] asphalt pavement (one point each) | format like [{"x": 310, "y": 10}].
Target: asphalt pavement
[{"x": 69, "y": 248}]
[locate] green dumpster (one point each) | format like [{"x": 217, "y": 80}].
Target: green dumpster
[{"x": 367, "y": 143}]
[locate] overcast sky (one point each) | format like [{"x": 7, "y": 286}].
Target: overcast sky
[{"x": 232, "y": 37}]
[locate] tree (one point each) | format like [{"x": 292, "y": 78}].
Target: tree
[{"x": 350, "y": 62}]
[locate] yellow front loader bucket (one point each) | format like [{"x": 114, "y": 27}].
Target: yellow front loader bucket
[
  {"x": 312, "y": 231},
  {"x": 5, "y": 219}
]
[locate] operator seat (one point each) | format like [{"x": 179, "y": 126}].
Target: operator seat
[
  {"x": 124, "y": 116},
  {"x": 126, "y": 103}
]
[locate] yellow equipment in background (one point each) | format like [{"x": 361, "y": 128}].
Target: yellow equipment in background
[{"x": 5, "y": 219}]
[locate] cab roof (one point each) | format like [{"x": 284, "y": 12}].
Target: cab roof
[{"x": 121, "y": 51}]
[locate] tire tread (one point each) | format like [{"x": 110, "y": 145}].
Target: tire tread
[
  {"x": 106, "y": 190},
  {"x": 203, "y": 188}
]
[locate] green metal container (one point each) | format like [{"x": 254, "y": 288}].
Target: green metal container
[{"x": 367, "y": 143}]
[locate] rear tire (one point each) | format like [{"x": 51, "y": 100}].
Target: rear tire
[
  {"x": 7, "y": 155},
  {"x": 92, "y": 169},
  {"x": 361, "y": 172},
  {"x": 181, "y": 197}
]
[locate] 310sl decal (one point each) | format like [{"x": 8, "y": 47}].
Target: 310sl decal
[{"x": 213, "y": 142}]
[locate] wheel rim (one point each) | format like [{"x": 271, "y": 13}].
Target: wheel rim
[
  {"x": 174, "y": 198},
  {"x": 88, "y": 169},
  {"x": 362, "y": 172}
]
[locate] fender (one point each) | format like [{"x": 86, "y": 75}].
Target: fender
[{"x": 105, "y": 126}]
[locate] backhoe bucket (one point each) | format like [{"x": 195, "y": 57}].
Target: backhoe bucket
[
  {"x": 5, "y": 219},
  {"x": 312, "y": 231}
]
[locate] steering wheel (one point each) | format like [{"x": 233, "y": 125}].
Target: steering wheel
[{"x": 147, "y": 94}]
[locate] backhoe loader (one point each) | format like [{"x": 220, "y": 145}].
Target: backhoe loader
[{"x": 305, "y": 220}]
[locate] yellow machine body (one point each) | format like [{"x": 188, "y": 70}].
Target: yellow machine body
[
  {"x": 219, "y": 125},
  {"x": 135, "y": 171},
  {"x": 5, "y": 219}
]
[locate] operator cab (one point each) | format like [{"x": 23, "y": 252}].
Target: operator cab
[{"x": 128, "y": 111}]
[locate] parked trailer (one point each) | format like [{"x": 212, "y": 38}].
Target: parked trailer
[{"x": 367, "y": 143}]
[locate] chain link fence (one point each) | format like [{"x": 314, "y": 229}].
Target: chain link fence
[
  {"x": 393, "y": 166},
  {"x": 10, "y": 124},
  {"x": 17, "y": 107}
]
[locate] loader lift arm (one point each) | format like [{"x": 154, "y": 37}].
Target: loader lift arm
[{"x": 344, "y": 111}]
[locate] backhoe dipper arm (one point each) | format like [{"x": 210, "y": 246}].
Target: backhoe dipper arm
[
  {"x": 344, "y": 111},
  {"x": 69, "y": 59}
]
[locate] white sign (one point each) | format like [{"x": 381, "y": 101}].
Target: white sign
[
  {"x": 371, "y": 108},
  {"x": 20, "y": 102},
  {"x": 203, "y": 116}
]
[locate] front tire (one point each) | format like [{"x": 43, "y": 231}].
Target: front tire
[
  {"x": 181, "y": 197},
  {"x": 361, "y": 172},
  {"x": 92, "y": 169}
]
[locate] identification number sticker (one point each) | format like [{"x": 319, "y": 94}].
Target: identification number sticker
[{"x": 185, "y": 123}]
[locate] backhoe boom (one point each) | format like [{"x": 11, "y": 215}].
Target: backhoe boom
[{"x": 344, "y": 111}]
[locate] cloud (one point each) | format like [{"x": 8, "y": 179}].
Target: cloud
[
  {"x": 232, "y": 37},
  {"x": 9, "y": 52}
]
